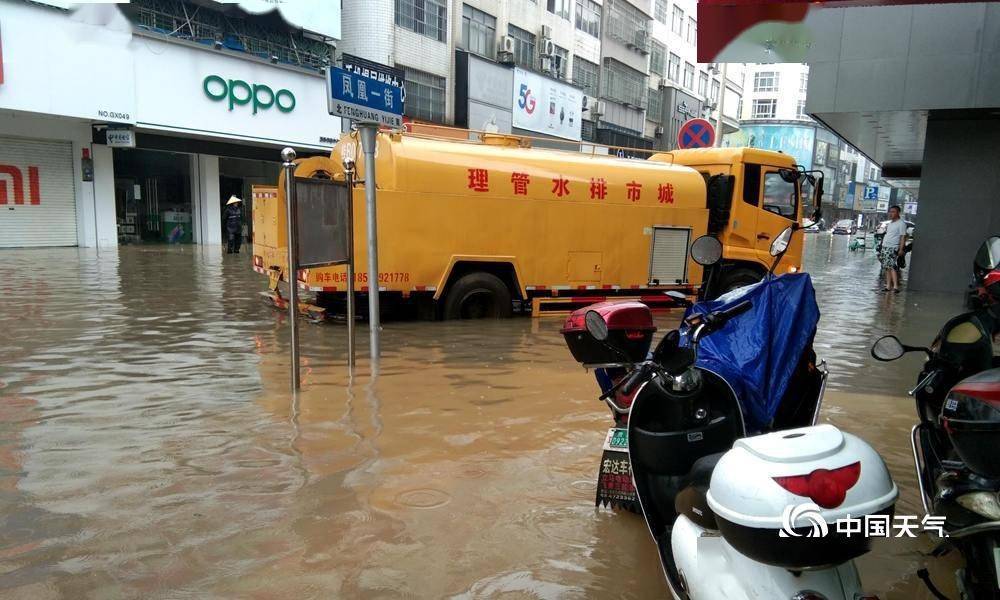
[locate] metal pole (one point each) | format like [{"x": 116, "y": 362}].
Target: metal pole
[
  {"x": 368, "y": 136},
  {"x": 722, "y": 105},
  {"x": 288, "y": 155},
  {"x": 349, "y": 170}
]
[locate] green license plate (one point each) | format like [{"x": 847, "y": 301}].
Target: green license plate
[{"x": 617, "y": 440}]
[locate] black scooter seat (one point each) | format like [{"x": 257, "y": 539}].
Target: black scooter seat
[{"x": 692, "y": 501}]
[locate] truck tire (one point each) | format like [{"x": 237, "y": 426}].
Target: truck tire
[
  {"x": 738, "y": 278},
  {"x": 478, "y": 295}
]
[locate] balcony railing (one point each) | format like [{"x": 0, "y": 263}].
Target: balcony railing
[{"x": 196, "y": 23}]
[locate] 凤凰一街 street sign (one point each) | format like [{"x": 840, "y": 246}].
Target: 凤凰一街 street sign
[{"x": 363, "y": 99}]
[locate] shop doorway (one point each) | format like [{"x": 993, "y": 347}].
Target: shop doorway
[
  {"x": 153, "y": 197},
  {"x": 237, "y": 176}
]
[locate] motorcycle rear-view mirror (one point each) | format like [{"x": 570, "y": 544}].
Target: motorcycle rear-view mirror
[
  {"x": 780, "y": 243},
  {"x": 888, "y": 348},
  {"x": 597, "y": 327},
  {"x": 988, "y": 256},
  {"x": 706, "y": 250}
]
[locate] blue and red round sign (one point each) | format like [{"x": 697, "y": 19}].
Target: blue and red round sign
[{"x": 696, "y": 133}]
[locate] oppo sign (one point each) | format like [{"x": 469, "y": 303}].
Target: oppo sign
[{"x": 240, "y": 93}]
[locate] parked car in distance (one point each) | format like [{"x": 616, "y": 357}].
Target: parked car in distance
[{"x": 845, "y": 227}]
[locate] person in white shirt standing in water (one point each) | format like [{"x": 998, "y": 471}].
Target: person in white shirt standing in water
[{"x": 893, "y": 245}]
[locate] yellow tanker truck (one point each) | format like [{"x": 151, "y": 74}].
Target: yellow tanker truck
[{"x": 470, "y": 229}]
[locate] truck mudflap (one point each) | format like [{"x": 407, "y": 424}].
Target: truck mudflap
[{"x": 273, "y": 297}]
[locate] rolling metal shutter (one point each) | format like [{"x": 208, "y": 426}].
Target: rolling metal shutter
[
  {"x": 37, "y": 195},
  {"x": 668, "y": 257}
]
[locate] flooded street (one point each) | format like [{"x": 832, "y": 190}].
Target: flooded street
[{"x": 149, "y": 447}]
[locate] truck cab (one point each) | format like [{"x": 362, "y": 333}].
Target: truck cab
[{"x": 752, "y": 196}]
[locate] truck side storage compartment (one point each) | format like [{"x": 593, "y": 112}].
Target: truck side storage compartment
[{"x": 800, "y": 481}]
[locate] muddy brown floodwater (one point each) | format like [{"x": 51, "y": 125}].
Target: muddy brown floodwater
[{"x": 149, "y": 447}]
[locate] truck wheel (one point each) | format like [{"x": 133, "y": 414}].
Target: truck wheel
[
  {"x": 738, "y": 278},
  {"x": 478, "y": 296}
]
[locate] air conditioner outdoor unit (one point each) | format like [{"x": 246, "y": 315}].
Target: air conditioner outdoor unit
[
  {"x": 546, "y": 31},
  {"x": 507, "y": 44},
  {"x": 598, "y": 108},
  {"x": 546, "y": 64},
  {"x": 548, "y": 47},
  {"x": 711, "y": 106},
  {"x": 658, "y": 131},
  {"x": 505, "y": 52},
  {"x": 713, "y": 68}
]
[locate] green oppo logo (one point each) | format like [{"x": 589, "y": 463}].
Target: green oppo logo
[{"x": 241, "y": 93}]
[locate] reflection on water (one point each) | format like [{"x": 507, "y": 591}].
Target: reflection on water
[{"x": 149, "y": 446}]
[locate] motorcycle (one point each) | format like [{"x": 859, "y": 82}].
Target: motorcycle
[
  {"x": 736, "y": 483},
  {"x": 954, "y": 444}
]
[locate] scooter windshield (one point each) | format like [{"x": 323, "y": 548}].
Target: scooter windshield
[{"x": 757, "y": 352}]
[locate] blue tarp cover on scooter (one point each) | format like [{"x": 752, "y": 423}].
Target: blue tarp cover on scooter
[{"x": 757, "y": 352}]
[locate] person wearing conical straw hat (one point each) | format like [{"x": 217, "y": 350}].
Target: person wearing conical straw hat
[{"x": 233, "y": 219}]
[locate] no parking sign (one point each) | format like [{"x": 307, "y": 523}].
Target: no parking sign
[{"x": 696, "y": 133}]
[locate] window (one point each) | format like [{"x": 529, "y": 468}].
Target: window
[
  {"x": 424, "y": 95},
  {"x": 660, "y": 11},
  {"x": 627, "y": 24},
  {"x": 715, "y": 90},
  {"x": 692, "y": 32},
  {"x": 800, "y": 110},
  {"x": 873, "y": 174},
  {"x": 585, "y": 76},
  {"x": 524, "y": 46},
  {"x": 656, "y": 56},
  {"x": 677, "y": 22},
  {"x": 479, "y": 31},
  {"x": 654, "y": 112},
  {"x": 703, "y": 84},
  {"x": 426, "y": 17},
  {"x": 780, "y": 196},
  {"x": 559, "y": 8},
  {"x": 751, "y": 183},
  {"x": 689, "y": 76},
  {"x": 765, "y": 81},
  {"x": 588, "y": 17},
  {"x": 764, "y": 109},
  {"x": 623, "y": 84},
  {"x": 674, "y": 68},
  {"x": 560, "y": 61},
  {"x": 803, "y": 82}
]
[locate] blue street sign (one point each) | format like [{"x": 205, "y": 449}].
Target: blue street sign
[
  {"x": 871, "y": 192},
  {"x": 363, "y": 99}
]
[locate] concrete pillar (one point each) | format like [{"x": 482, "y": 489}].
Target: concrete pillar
[
  {"x": 103, "y": 213},
  {"x": 959, "y": 201},
  {"x": 207, "y": 217}
]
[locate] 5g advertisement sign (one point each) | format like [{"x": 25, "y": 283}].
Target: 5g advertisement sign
[{"x": 546, "y": 106}]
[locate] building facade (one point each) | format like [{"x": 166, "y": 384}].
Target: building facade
[
  {"x": 680, "y": 88},
  {"x": 614, "y": 55},
  {"x": 774, "y": 117},
  {"x": 135, "y": 123}
]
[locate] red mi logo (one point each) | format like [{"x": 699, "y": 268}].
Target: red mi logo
[{"x": 17, "y": 181}]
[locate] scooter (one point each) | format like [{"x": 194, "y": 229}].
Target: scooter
[
  {"x": 955, "y": 444},
  {"x": 737, "y": 486}
]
